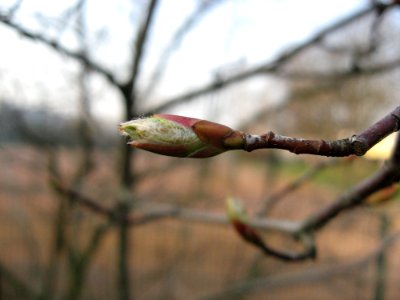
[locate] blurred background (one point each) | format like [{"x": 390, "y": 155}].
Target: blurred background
[{"x": 83, "y": 216}]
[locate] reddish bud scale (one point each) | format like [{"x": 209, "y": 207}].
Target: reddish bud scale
[{"x": 247, "y": 232}]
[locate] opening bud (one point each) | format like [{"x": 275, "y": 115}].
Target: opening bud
[{"x": 179, "y": 136}]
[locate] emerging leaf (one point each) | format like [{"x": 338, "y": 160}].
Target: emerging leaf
[{"x": 179, "y": 136}]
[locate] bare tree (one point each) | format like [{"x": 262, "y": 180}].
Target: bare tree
[{"x": 353, "y": 62}]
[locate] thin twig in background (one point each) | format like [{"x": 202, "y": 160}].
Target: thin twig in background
[
  {"x": 130, "y": 93},
  {"x": 313, "y": 274},
  {"x": 381, "y": 260},
  {"x": 269, "y": 202},
  {"x": 86, "y": 122},
  {"x": 187, "y": 25},
  {"x": 387, "y": 175},
  {"x": 171, "y": 212},
  {"x": 266, "y": 68},
  {"x": 60, "y": 49},
  {"x": 21, "y": 289}
]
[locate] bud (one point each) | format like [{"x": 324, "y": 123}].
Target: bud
[
  {"x": 235, "y": 210},
  {"x": 238, "y": 218},
  {"x": 179, "y": 136}
]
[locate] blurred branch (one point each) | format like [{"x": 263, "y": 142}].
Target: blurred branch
[
  {"x": 355, "y": 70},
  {"x": 381, "y": 260},
  {"x": 202, "y": 9},
  {"x": 79, "y": 262},
  {"x": 384, "y": 177},
  {"x": 268, "y": 67},
  {"x": 319, "y": 88},
  {"x": 130, "y": 93},
  {"x": 358, "y": 53},
  {"x": 14, "y": 8},
  {"x": 310, "y": 275},
  {"x": 61, "y": 24},
  {"x": 204, "y": 217},
  {"x": 273, "y": 198},
  {"x": 57, "y": 246},
  {"x": 21, "y": 288},
  {"x": 83, "y": 200},
  {"x": 129, "y": 87},
  {"x": 174, "y": 212},
  {"x": 86, "y": 121},
  {"x": 77, "y": 55},
  {"x": 309, "y": 251},
  {"x": 249, "y": 234},
  {"x": 129, "y": 90}
]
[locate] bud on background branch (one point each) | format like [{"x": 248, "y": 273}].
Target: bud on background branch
[{"x": 238, "y": 218}]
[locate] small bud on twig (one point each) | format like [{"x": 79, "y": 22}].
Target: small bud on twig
[{"x": 238, "y": 218}]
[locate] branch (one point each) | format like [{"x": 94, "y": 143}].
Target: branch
[
  {"x": 305, "y": 276},
  {"x": 21, "y": 288},
  {"x": 272, "y": 199},
  {"x": 342, "y": 75},
  {"x": 129, "y": 88},
  {"x": 265, "y": 68},
  {"x": 357, "y": 144},
  {"x": 14, "y": 8},
  {"x": 193, "y": 215},
  {"x": 191, "y": 21},
  {"x": 389, "y": 174},
  {"x": 79, "y": 56},
  {"x": 82, "y": 200},
  {"x": 172, "y": 212}
]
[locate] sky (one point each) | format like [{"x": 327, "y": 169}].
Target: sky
[
  {"x": 236, "y": 33},
  {"x": 383, "y": 149}
]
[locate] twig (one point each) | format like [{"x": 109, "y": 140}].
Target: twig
[
  {"x": 265, "y": 68},
  {"x": 273, "y": 198},
  {"x": 129, "y": 87},
  {"x": 342, "y": 75},
  {"x": 130, "y": 93},
  {"x": 306, "y": 239},
  {"x": 201, "y": 10},
  {"x": 61, "y": 49},
  {"x": 357, "y": 144},
  {"x": 21, "y": 288},
  {"x": 86, "y": 122},
  {"x": 304, "y": 276},
  {"x": 14, "y": 8},
  {"x": 381, "y": 260},
  {"x": 384, "y": 177},
  {"x": 129, "y": 90},
  {"x": 81, "y": 199},
  {"x": 192, "y": 215},
  {"x": 79, "y": 261}
]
